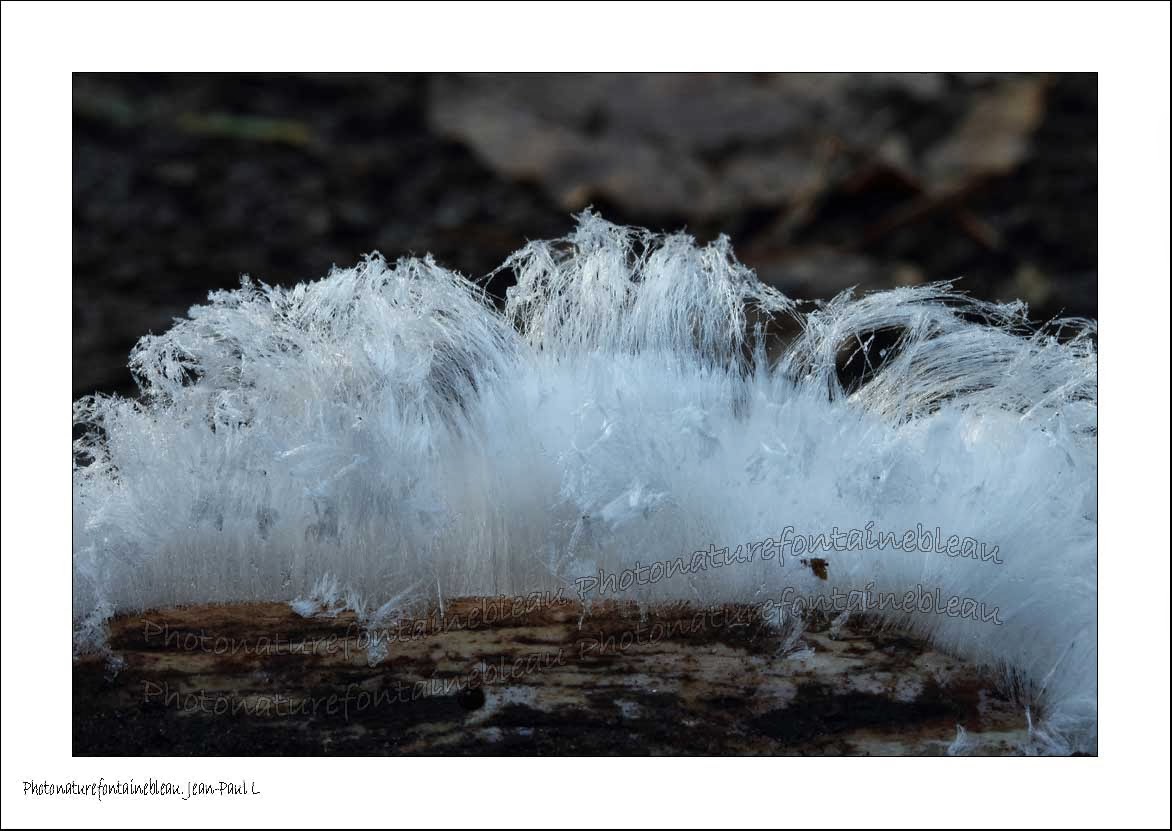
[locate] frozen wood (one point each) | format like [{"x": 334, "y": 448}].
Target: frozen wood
[{"x": 493, "y": 676}]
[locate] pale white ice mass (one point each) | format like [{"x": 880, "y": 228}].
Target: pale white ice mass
[{"x": 386, "y": 437}]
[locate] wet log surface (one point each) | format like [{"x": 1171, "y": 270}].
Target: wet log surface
[{"x": 494, "y": 676}]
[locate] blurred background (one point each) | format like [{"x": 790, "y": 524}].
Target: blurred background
[{"x": 182, "y": 183}]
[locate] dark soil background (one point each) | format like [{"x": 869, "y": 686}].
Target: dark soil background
[{"x": 181, "y": 183}]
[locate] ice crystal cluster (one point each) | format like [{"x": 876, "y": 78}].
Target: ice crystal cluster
[{"x": 387, "y": 436}]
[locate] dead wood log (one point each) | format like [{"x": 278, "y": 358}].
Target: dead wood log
[{"x": 494, "y": 676}]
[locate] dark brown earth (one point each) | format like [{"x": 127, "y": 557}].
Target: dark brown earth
[{"x": 181, "y": 183}]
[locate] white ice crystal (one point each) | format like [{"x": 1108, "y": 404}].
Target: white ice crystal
[{"x": 386, "y": 431}]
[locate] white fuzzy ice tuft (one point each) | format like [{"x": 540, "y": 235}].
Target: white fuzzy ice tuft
[{"x": 385, "y": 436}]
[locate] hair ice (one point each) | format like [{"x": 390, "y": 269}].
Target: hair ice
[{"x": 386, "y": 436}]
